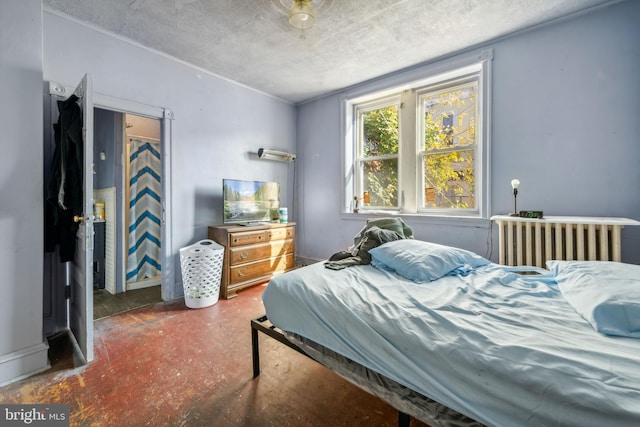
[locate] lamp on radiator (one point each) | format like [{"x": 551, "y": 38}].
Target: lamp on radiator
[{"x": 515, "y": 183}]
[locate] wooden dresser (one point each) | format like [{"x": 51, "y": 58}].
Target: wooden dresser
[{"x": 253, "y": 254}]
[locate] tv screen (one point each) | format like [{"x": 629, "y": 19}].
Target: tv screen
[{"x": 250, "y": 201}]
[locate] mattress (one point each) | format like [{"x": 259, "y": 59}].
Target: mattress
[{"x": 496, "y": 346}]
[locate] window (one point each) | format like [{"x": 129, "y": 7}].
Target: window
[
  {"x": 421, "y": 148},
  {"x": 448, "y": 154},
  {"x": 378, "y": 148}
]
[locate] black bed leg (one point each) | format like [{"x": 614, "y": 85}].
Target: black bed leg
[
  {"x": 255, "y": 352},
  {"x": 403, "y": 419}
]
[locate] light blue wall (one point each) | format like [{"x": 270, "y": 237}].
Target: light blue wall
[
  {"x": 218, "y": 124},
  {"x": 23, "y": 350},
  {"x": 566, "y": 101}
]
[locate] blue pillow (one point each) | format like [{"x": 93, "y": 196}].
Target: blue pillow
[
  {"x": 423, "y": 261},
  {"x": 605, "y": 293}
]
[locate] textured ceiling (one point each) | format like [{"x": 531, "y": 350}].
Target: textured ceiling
[{"x": 251, "y": 42}]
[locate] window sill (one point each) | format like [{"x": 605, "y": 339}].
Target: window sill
[{"x": 421, "y": 219}]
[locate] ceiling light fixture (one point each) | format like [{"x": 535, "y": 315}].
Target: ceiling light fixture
[{"x": 302, "y": 15}]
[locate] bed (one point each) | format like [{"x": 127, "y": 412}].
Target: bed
[{"x": 426, "y": 323}]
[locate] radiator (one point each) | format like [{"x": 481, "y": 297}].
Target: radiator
[{"x": 524, "y": 241}]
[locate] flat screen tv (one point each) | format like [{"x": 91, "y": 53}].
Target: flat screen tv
[{"x": 248, "y": 202}]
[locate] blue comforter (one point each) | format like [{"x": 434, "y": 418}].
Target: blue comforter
[{"x": 504, "y": 349}]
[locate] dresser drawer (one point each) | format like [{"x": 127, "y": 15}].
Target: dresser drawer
[
  {"x": 244, "y": 254},
  {"x": 253, "y": 254},
  {"x": 281, "y": 233},
  {"x": 267, "y": 267},
  {"x": 239, "y": 239}
]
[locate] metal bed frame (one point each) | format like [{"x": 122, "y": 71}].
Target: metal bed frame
[{"x": 262, "y": 324}]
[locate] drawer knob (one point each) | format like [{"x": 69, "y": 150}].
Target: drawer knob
[
  {"x": 242, "y": 272},
  {"x": 244, "y": 255}
]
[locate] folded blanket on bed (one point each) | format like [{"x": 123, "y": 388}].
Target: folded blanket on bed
[{"x": 374, "y": 234}]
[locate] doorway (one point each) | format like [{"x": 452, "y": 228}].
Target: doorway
[
  {"x": 128, "y": 200},
  {"x": 62, "y": 305}
]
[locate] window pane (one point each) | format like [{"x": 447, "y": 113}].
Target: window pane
[
  {"x": 380, "y": 131},
  {"x": 449, "y": 180},
  {"x": 381, "y": 181},
  {"x": 450, "y": 117}
]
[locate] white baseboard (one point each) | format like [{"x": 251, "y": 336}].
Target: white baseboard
[{"x": 24, "y": 363}]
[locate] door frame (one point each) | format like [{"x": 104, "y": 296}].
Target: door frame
[
  {"x": 126, "y": 199},
  {"x": 166, "y": 117}
]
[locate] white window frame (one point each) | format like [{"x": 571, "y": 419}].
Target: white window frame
[
  {"x": 446, "y": 86},
  {"x": 359, "y": 160},
  {"x": 410, "y": 164}
]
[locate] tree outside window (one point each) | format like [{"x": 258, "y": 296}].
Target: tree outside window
[
  {"x": 379, "y": 156},
  {"x": 449, "y": 147}
]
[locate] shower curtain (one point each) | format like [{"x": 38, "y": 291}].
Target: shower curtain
[{"x": 144, "y": 210}]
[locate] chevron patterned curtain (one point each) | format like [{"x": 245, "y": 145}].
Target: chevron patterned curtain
[{"x": 144, "y": 211}]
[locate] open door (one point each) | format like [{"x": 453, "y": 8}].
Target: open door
[{"x": 80, "y": 308}]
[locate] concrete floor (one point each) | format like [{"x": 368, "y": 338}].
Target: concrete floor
[{"x": 167, "y": 365}]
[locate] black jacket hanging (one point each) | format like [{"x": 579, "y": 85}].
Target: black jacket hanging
[{"x": 64, "y": 195}]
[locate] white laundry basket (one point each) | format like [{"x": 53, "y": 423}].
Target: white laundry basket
[{"x": 201, "y": 265}]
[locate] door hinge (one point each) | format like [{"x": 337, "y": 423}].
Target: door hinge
[{"x": 67, "y": 292}]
